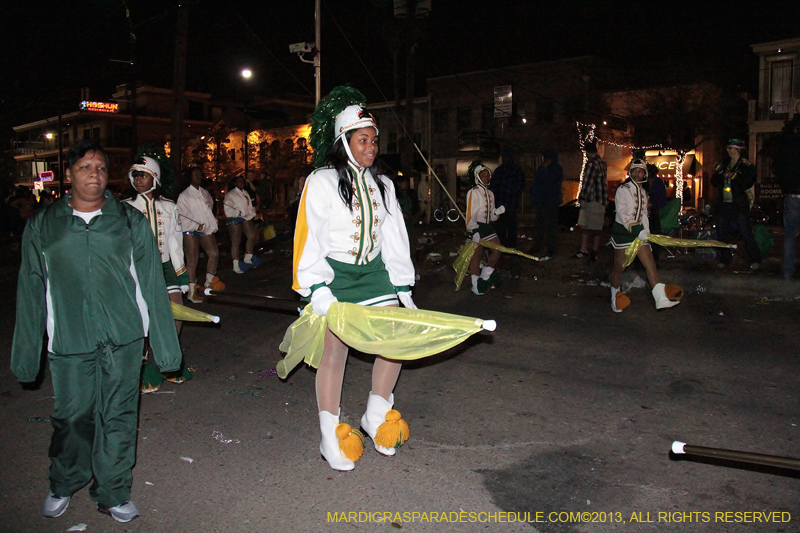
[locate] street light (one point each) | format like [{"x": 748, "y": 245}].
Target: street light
[{"x": 246, "y": 75}]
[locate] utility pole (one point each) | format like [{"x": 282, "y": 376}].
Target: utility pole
[
  {"x": 317, "y": 58},
  {"x": 60, "y": 155},
  {"x": 305, "y": 48},
  {"x": 411, "y": 10},
  {"x": 178, "y": 89},
  {"x": 134, "y": 81}
]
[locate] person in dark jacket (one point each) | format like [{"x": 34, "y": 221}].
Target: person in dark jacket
[
  {"x": 732, "y": 178},
  {"x": 546, "y": 198},
  {"x": 787, "y": 170},
  {"x": 508, "y": 182}
]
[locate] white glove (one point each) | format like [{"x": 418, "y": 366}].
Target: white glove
[
  {"x": 499, "y": 210},
  {"x": 321, "y": 300},
  {"x": 476, "y": 236},
  {"x": 405, "y": 299},
  {"x": 644, "y": 234}
]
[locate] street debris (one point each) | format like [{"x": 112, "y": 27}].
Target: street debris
[
  {"x": 78, "y": 527},
  {"x": 255, "y": 394},
  {"x": 38, "y": 419},
  {"x": 187, "y": 459},
  {"x": 218, "y": 436}
]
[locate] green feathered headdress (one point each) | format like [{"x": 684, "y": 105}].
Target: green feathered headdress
[
  {"x": 156, "y": 151},
  {"x": 471, "y": 177},
  {"x": 323, "y": 121}
]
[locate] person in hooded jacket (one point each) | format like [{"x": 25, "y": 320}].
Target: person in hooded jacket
[{"x": 546, "y": 197}]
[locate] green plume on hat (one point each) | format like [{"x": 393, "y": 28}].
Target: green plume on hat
[
  {"x": 323, "y": 121},
  {"x": 156, "y": 151},
  {"x": 471, "y": 177}
]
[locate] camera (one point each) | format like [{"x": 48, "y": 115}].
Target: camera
[{"x": 301, "y": 48}]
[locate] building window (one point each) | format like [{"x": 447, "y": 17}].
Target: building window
[
  {"x": 87, "y": 134},
  {"x": 488, "y": 120},
  {"x": 780, "y": 86},
  {"x": 122, "y": 135},
  {"x": 464, "y": 118},
  {"x": 96, "y": 134},
  {"x": 232, "y": 154},
  {"x": 441, "y": 118},
  {"x": 545, "y": 112},
  {"x": 391, "y": 143}
]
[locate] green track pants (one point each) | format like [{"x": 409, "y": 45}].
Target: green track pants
[{"x": 94, "y": 421}]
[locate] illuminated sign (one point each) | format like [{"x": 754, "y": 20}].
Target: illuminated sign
[
  {"x": 47, "y": 175},
  {"x": 502, "y": 101},
  {"x": 102, "y": 107}
]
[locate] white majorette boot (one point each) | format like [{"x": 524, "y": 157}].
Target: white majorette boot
[
  {"x": 236, "y": 267},
  {"x": 660, "y": 296},
  {"x": 340, "y": 445},
  {"x": 475, "y": 289},
  {"x": 384, "y": 425},
  {"x": 486, "y": 273},
  {"x": 614, "y": 293},
  {"x": 619, "y": 300}
]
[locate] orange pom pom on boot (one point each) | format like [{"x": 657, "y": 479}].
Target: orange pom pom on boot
[
  {"x": 619, "y": 301},
  {"x": 660, "y": 296},
  {"x": 384, "y": 425},
  {"x": 341, "y": 445}
]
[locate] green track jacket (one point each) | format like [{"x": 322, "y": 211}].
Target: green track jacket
[{"x": 90, "y": 285}]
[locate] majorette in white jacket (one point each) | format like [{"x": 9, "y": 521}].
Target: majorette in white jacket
[
  {"x": 630, "y": 201},
  {"x": 480, "y": 207},
  {"x": 238, "y": 205},
  {"x": 163, "y": 217},
  {"x": 327, "y": 228},
  {"x": 196, "y": 207}
]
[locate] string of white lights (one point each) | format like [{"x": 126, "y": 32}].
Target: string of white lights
[{"x": 591, "y": 135}]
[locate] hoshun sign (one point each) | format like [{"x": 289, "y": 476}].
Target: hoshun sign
[{"x": 101, "y": 107}]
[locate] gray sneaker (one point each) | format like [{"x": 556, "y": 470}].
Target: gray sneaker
[
  {"x": 124, "y": 512},
  {"x": 54, "y": 506}
]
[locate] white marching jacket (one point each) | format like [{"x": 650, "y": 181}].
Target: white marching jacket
[
  {"x": 630, "y": 201},
  {"x": 480, "y": 207},
  {"x": 196, "y": 207},
  {"x": 238, "y": 205},
  {"x": 327, "y": 228},
  {"x": 164, "y": 221}
]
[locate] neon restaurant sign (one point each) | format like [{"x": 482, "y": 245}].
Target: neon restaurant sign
[{"x": 102, "y": 107}]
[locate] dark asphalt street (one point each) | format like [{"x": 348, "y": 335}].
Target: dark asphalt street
[{"x": 567, "y": 407}]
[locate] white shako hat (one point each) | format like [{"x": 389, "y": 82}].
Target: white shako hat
[
  {"x": 638, "y": 163},
  {"x": 354, "y": 117},
  {"x": 477, "y": 173},
  {"x": 149, "y": 166}
]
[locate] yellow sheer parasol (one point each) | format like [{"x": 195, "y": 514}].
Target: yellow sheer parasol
[
  {"x": 461, "y": 264},
  {"x": 392, "y": 332},
  {"x": 181, "y": 312},
  {"x": 663, "y": 240}
]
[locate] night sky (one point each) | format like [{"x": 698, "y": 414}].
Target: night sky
[{"x": 52, "y": 48}]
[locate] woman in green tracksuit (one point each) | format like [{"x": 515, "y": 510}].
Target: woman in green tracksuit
[{"x": 91, "y": 277}]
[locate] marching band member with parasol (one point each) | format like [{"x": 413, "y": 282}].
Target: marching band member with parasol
[
  {"x": 632, "y": 223},
  {"x": 351, "y": 245}
]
